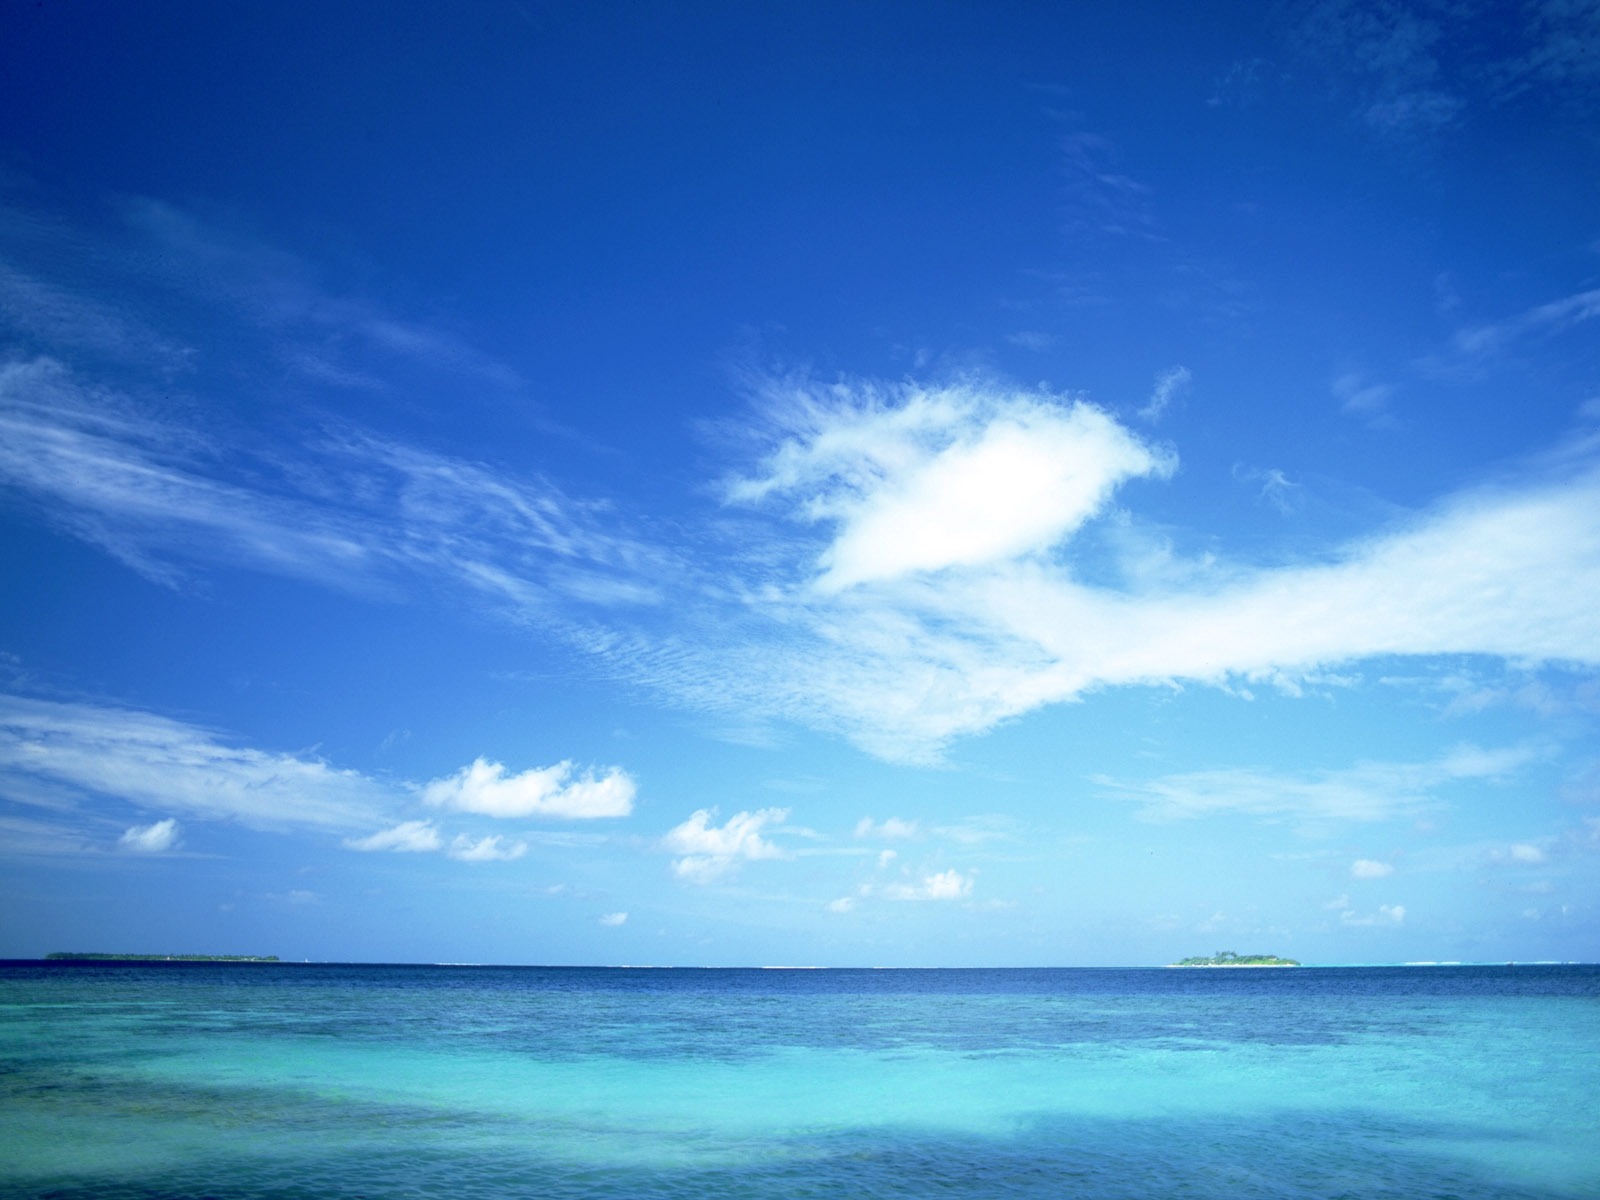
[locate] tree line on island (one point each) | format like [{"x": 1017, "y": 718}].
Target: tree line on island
[
  {"x": 77, "y": 956},
  {"x": 1227, "y": 958}
]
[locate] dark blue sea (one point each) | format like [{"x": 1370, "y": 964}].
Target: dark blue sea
[{"x": 271, "y": 1082}]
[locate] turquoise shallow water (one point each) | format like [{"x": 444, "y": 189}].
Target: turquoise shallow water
[{"x": 257, "y": 1082}]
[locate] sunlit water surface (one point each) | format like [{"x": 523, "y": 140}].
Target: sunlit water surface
[{"x": 271, "y": 1082}]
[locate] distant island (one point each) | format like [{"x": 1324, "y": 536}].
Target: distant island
[
  {"x": 1227, "y": 958},
  {"x": 74, "y": 956}
]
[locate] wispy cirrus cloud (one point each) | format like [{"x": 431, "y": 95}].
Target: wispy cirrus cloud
[
  {"x": 342, "y": 508},
  {"x": 1368, "y": 791},
  {"x": 1170, "y": 385},
  {"x": 164, "y": 765},
  {"x": 1472, "y": 344},
  {"x": 1100, "y": 197}
]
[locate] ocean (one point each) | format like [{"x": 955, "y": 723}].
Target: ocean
[{"x": 269, "y": 1082}]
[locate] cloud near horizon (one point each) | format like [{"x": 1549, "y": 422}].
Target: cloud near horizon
[{"x": 55, "y": 754}]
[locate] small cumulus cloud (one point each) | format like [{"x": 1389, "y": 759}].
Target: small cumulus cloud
[
  {"x": 709, "y": 851},
  {"x": 1370, "y": 868},
  {"x": 891, "y": 829},
  {"x": 150, "y": 839},
  {"x": 1524, "y": 854},
  {"x": 612, "y": 920},
  {"x": 486, "y": 849},
  {"x": 1387, "y": 914},
  {"x": 943, "y": 885},
  {"x": 409, "y": 837},
  {"x": 557, "y": 791}
]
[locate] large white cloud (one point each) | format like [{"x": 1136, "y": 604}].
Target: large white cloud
[
  {"x": 556, "y": 791},
  {"x": 921, "y": 479}
]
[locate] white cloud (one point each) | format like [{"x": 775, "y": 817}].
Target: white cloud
[
  {"x": 710, "y": 851},
  {"x": 407, "y": 837},
  {"x": 486, "y": 849},
  {"x": 918, "y": 480},
  {"x": 1170, "y": 384},
  {"x": 942, "y": 885},
  {"x": 612, "y": 920},
  {"x": 1371, "y": 791},
  {"x": 1370, "y": 868},
  {"x": 890, "y": 829},
  {"x": 159, "y": 763},
  {"x": 1387, "y": 914},
  {"x": 484, "y": 787},
  {"x": 931, "y": 563},
  {"x": 843, "y": 904},
  {"x": 895, "y": 631},
  {"x": 53, "y": 753},
  {"x": 150, "y": 839},
  {"x": 1524, "y": 852}
]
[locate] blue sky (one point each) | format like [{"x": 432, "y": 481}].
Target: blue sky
[{"x": 843, "y": 484}]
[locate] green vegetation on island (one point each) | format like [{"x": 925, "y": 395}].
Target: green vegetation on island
[
  {"x": 74, "y": 956},
  {"x": 1227, "y": 958}
]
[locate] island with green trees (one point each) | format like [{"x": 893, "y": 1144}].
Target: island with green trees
[
  {"x": 75, "y": 956},
  {"x": 1227, "y": 958}
]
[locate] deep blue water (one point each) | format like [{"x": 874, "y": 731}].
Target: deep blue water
[{"x": 258, "y": 1081}]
